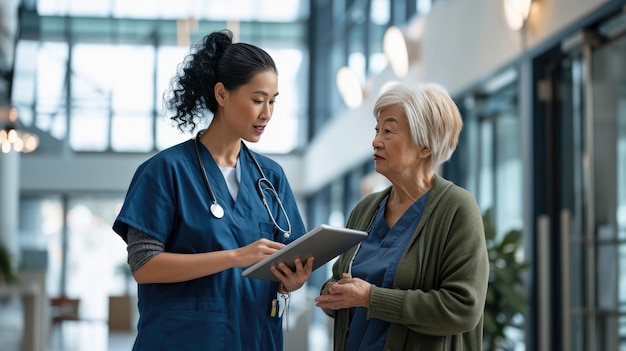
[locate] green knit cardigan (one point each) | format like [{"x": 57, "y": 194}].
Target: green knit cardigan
[{"x": 438, "y": 296}]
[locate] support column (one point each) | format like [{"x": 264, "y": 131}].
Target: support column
[{"x": 9, "y": 202}]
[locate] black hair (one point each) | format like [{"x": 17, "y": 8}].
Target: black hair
[{"x": 214, "y": 59}]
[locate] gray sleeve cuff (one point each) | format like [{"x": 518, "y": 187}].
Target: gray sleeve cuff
[{"x": 141, "y": 248}]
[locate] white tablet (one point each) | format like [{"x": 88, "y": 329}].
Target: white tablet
[{"x": 324, "y": 243}]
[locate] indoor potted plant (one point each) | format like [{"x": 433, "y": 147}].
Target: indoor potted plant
[{"x": 506, "y": 295}]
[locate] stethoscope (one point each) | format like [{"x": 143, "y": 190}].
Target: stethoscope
[{"x": 263, "y": 185}]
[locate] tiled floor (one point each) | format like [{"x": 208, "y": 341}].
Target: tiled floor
[
  {"x": 71, "y": 336},
  {"x": 89, "y": 336},
  {"x": 119, "y": 341}
]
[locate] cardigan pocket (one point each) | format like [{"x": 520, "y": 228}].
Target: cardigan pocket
[{"x": 417, "y": 341}]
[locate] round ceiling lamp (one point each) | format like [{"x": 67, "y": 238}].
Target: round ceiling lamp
[
  {"x": 349, "y": 87},
  {"x": 516, "y": 12},
  {"x": 395, "y": 48}
]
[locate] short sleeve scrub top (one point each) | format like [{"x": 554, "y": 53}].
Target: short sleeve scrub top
[{"x": 168, "y": 200}]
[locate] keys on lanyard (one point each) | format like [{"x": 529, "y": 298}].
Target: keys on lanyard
[{"x": 279, "y": 305}]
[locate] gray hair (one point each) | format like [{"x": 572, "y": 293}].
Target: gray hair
[{"x": 434, "y": 119}]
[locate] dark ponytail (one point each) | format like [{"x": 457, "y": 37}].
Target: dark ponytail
[{"x": 214, "y": 59}]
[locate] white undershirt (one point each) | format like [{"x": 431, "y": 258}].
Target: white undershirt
[{"x": 232, "y": 181}]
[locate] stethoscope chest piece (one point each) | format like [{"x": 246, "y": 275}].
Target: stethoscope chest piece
[{"x": 217, "y": 211}]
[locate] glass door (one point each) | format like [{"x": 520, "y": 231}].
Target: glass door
[
  {"x": 587, "y": 128},
  {"x": 608, "y": 90},
  {"x": 569, "y": 174}
]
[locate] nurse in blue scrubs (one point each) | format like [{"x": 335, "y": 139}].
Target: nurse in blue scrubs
[{"x": 198, "y": 213}]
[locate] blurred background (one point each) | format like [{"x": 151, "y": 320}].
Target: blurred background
[{"x": 541, "y": 85}]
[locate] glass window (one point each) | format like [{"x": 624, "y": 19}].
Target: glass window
[
  {"x": 508, "y": 173},
  {"x": 132, "y": 86},
  {"x": 283, "y": 133},
  {"x": 89, "y": 129},
  {"x": 116, "y": 80},
  {"x": 424, "y": 6},
  {"x": 248, "y": 10},
  {"x": 167, "y": 134},
  {"x": 24, "y": 83},
  {"x": 84, "y": 255},
  {"x": 132, "y": 132},
  {"x": 116, "y": 87},
  {"x": 379, "y": 12},
  {"x": 357, "y": 62},
  {"x": 94, "y": 254},
  {"x": 51, "y": 88},
  {"x": 499, "y": 177},
  {"x": 41, "y": 230},
  {"x": 260, "y": 10},
  {"x": 485, "y": 191},
  {"x": 168, "y": 59}
]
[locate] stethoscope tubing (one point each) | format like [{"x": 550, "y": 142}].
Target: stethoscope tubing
[{"x": 216, "y": 209}]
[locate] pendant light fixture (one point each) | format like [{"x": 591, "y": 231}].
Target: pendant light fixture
[{"x": 13, "y": 138}]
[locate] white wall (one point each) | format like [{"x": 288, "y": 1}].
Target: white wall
[{"x": 465, "y": 41}]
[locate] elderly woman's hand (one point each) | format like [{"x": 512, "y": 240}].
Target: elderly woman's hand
[{"x": 345, "y": 293}]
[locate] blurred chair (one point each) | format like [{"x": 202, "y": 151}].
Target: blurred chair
[{"x": 64, "y": 309}]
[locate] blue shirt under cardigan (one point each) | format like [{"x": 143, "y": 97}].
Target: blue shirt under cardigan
[{"x": 376, "y": 262}]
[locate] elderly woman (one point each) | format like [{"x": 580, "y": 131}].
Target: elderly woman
[{"x": 419, "y": 280}]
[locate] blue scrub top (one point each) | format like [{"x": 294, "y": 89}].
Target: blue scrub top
[
  {"x": 376, "y": 262},
  {"x": 168, "y": 200}
]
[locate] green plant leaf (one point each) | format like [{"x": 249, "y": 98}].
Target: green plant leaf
[
  {"x": 6, "y": 265},
  {"x": 506, "y": 297}
]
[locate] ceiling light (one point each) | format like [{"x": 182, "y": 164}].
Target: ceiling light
[
  {"x": 395, "y": 48},
  {"x": 349, "y": 87},
  {"x": 516, "y": 12},
  {"x": 11, "y": 137}
]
